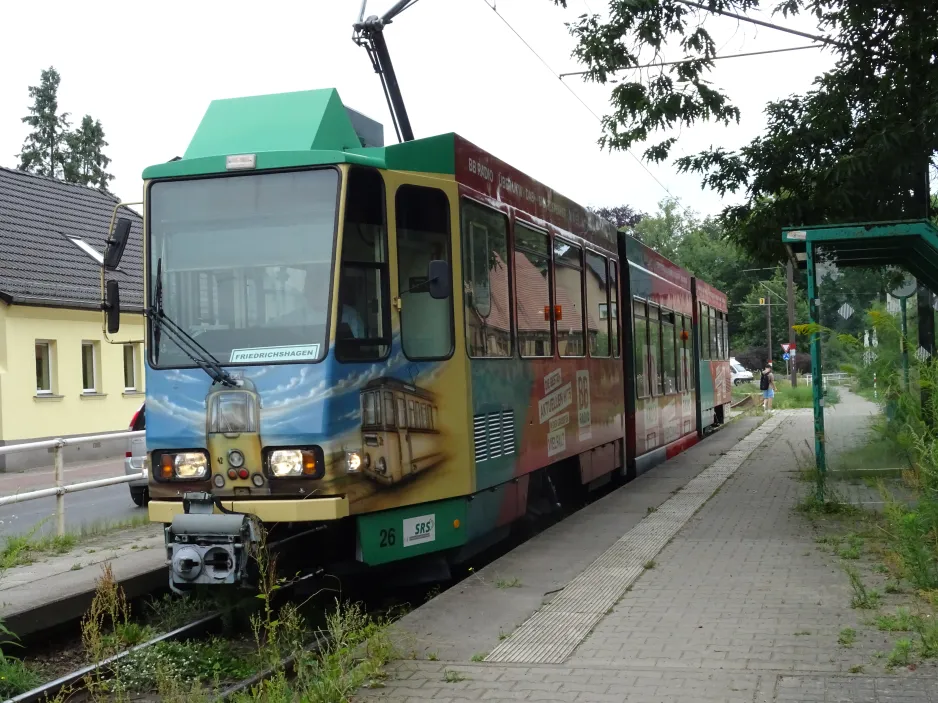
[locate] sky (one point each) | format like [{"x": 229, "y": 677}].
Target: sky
[{"x": 148, "y": 71}]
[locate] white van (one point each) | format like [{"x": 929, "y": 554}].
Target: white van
[{"x": 740, "y": 375}]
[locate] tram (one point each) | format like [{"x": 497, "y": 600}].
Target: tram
[{"x": 390, "y": 353}]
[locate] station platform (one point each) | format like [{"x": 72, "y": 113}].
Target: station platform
[
  {"x": 696, "y": 582},
  {"x": 58, "y": 588}
]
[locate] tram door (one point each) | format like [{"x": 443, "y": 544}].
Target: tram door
[{"x": 403, "y": 430}]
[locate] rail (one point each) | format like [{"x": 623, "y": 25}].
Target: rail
[{"x": 61, "y": 488}]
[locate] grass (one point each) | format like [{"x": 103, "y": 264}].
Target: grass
[
  {"x": 847, "y": 637},
  {"x": 856, "y": 669},
  {"x": 508, "y": 583},
  {"x": 649, "y": 564},
  {"x": 901, "y": 621},
  {"x": 16, "y": 677},
  {"x": 802, "y": 633},
  {"x": 450, "y": 676},
  {"x": 478, "y": 657},
  {"x": 901, "y": 654}
]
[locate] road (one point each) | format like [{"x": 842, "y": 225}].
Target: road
[{"x": 98, "y": 506}]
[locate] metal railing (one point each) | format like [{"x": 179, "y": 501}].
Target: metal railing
[{"x": 58, "y": 456}]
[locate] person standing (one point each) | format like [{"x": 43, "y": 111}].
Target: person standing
[{"x": 767, "y": 386}]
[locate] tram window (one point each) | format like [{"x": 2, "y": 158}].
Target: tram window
[
  {"x": 364, "y": 314},
  {"x": 718, "y": 318},
  {"x": 568, "y": 281},
  {"x": 401, "y": 413},
  {"x": 714, "y": 348},
  {"x": 422, "y": 237},
  {"x": 689, "y": 353},
  {"x": 640, "y": 345},
  {"x": 388, "y": 408},
  {"x": 532, "y": 292},
  {"x": 485, "y": 277},
  {"x": 679, "y": 350},
  {"x": 668, "y": 354},
  {"x": 597, "y": 304},
  {"x": 371, "y": 409},
  {"x": 704, "y": 326},
  {"x": 655, "y": 371},
  {"x": 614, "y": 308}
]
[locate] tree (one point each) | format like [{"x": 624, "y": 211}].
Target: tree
[
  {"x": 622, "y": 216},
  {"x": 86, "y": 162},
  {"x": 856, "y": 147},
  {"x": 44, "y": 149},
  {"x": 664, "y": 231}
]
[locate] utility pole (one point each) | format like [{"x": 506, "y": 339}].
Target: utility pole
[
  {"x": 791, "y": 322},
  {"x": 768, "y": 322}
]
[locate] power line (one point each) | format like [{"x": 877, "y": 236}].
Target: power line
[
  {"x": 762, "y": 23},
  {"x": 555, "y": 75},
  {"x": 712, "y": 58}
]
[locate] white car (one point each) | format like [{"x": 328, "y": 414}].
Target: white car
[
  {"x": 133, "y": 462},
  {"x": 740, "y": 375}
]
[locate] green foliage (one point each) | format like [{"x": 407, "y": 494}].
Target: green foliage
[
  {"x": 44, "y": 151},
  {"x": 847, "y": 637},
  {"x": 863, "y": 598},
  {"x": 16, "y": 677},
  {"x": 203, "y": 661},
  {"x": 52, "y": 150},
  {"x": 901, "y": 654},
  {"x": 855, "y": 147},
  {"x": 86, "y": 163}
]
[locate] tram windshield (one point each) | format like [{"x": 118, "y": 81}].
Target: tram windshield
[{"x": 245, "y": 264}]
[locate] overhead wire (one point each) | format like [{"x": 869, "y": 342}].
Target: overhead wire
[{"x": 573, "y": 93}]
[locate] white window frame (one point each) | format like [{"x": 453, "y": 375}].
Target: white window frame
[
  {"x": 94, "y": 369},
  {"x": 48, "y": 345},
  {"x": 133, "y": 366}
]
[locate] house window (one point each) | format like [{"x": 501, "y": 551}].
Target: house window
[
  {"x": 89, "y": 380},
  {"x": 130, "y": 367},
  {"x": 43, "y": 368}
]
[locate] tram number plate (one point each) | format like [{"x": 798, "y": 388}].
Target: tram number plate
[{"x": 419, "y": 529}]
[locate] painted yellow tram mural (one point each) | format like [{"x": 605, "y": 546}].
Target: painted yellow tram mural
[{"x": 400, "y": 432}]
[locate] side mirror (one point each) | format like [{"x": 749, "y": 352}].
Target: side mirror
[
  {"x": 112, "y": 306},
  {"x": 116, "y": 243},
  {"x": 440, "y": 280}
]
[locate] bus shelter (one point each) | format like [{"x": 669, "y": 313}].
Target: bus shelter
[{"x": 911, "y": 245}]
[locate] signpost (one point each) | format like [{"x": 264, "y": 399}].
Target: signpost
[{"x": 906, "y": 289}]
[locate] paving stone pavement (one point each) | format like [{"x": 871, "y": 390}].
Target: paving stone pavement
[{"x": 740, "y": 606}]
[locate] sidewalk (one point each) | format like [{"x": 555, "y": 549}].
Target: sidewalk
[
  {"x": 739, "y": 605},
  {"x": 58, "y": 588}
]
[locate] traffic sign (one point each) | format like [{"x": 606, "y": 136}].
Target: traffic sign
[
  {"x": 786, "y": 347},
  {"x": 761, "y": 301},
  {"x": 786, "y": 356}
]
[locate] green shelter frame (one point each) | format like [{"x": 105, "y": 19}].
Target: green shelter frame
[{"x": 909, "y": 244}]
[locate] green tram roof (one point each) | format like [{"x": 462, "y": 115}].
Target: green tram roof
[{"x": 313, "y": 128}]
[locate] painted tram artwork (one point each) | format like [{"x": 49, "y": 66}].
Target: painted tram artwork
[{"x": 383, "y": 353}]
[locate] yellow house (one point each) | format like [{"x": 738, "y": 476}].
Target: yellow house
[{"x": 60, "y": 375}]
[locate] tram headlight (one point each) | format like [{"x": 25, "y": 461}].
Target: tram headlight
[
  {"x": 354, "y": 462},
  {"x": 184, "y": 466},
  {"x": 295, "y": 463}
]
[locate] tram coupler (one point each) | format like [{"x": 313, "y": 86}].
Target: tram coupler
[{"x": 204, "y": 547}]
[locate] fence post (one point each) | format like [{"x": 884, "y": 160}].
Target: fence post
[{"x": 59, "y": 459}]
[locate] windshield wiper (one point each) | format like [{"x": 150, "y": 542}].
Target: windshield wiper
[{"x": 198, "y": 354}]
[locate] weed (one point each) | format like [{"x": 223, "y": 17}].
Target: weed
[
  {"x": 901, "y": 654},
  {"x": 172, "y": 611},
  {"x": 185, "y": 662},
  {"x": 649, "y": 564},
  {"x": 478, "y": 657},
  {"x": 881, "y": 569},
  {"x": 432, "y": 656},
  {"x": 856, "y": 669},
  {"x": 863, "y": 597},
  {"x": 508, "y": 583},
  {"x": 502, "y": 636},
  {"x": 802, "y": 633},
  {"x": 902, "y": 621},
  {"x": 849, "y": 553},
  {"x": 432, "y": 593},
  {"x": 16, "y": 677},
  {"x": 651, "y": 509},
  {"x": 847, "y": 637},
  {"x": 893, "y": 587},
  {"x": 108, "y": 611},
  {"x": 450, "y": 676},
  {"x": 927, "y": 629},
  {"x": 76, "y": 566}
]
